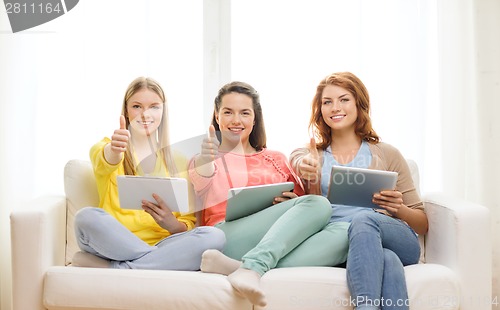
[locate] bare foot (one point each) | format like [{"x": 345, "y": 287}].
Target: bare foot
[
  {"x": 85, "y": 259},
  {"x": 214, "y": 261},
  {"x": 247, "y": 283}
]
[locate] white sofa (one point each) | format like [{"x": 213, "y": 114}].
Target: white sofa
[{"x": 456, "y": 273}]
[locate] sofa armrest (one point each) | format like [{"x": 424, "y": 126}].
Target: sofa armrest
[
  {"x": 38, "y": 238},
  {"x": 459, "y": 238}
]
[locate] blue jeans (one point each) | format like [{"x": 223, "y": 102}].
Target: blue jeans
[
  {"x": 379, "y": 247},
  {"x": 99, "y": 233}
]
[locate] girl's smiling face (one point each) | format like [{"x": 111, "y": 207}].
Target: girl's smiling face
[
  {"x": 145, "y": 111},
  {"x": 236, "y": 118},
  {"x": 338, "y": 108}
]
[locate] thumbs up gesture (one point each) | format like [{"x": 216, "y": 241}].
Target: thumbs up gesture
[
  {"x": 209, "y": 150},
  {"x": 309, "y": 167},
  {"x": 119, "y": 139}
]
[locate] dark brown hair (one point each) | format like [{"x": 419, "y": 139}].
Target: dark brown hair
[{"x": 257, "y": 137}]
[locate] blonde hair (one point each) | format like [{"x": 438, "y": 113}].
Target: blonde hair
[
  {"x": 163, "y": 140},
  {"x": 363, "y": 127}
]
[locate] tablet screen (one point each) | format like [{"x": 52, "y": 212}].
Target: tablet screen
[
  {"x": 355, "y": 186},
  {"x": 243, "y": 201},
  {"x": 133, "y": 189}
]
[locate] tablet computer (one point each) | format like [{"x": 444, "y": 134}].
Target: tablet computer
[
  {"x": 243, "y": 201},
  {"x": 355, "y": 186},
  {"x": 133, "y": 189}
]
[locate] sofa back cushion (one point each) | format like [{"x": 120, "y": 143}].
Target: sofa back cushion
[
  {"x": 81, "y": 191},
  {"x": 414, "y": 173}
]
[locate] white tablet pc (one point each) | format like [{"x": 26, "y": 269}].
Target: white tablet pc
[
  {"x": 355, "y": 186},
  {"x": 243, "y": 201},
  {"x": 133, "y": 189}
]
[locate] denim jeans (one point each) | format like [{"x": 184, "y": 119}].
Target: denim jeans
[
  {"x": 379, "y": 247},
  {"x": 99, "y": 233}
]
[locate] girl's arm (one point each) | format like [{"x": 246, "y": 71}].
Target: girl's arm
[
  {"x": 404, "y": 202},
  {"x": 392, "y": 202}
]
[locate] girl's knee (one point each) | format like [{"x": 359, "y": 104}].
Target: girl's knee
[
  {"x": 364, "y": 217},
  {"x": 363, "y": 221},
  {"x": 87, "y": 215},
  {"x": 320, "y": 203},
  {"x": 317, "y": 199},
  {"x": 391, "y": 260},
  {"x": 214, "y": 237}
]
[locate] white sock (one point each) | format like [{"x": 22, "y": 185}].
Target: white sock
[
  {"x": 213, "y": 261},
  {"x": 247, "y": 283}
]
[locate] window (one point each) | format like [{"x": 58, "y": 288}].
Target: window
[
  {"x": 284, "y": 48},
  {"x": 67, "y": 77}
]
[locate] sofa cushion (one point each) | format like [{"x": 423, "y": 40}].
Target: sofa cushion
[
  {"x": 430, "y": 286},
  {"x": 97, "y": 288},
  {"x": 81, "y": 191}
]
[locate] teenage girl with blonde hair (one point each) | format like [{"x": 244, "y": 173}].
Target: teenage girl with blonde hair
[{"x": 155, "y": 237}]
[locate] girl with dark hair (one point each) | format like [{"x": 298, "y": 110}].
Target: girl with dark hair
[{"x": 293, "y": 232}]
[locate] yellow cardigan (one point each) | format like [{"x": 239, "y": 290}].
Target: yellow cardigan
[{"x": 137, "y": 221}]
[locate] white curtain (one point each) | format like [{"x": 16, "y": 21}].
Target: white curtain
[
  {"x": 62, "y": 85},
  {"x": 469, "y": 62},
  {"x": 390, "y": 44}
]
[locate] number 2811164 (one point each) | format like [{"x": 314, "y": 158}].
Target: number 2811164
[{"x": 32, "y": 8}]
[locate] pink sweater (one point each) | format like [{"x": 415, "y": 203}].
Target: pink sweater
[{"x": 237, "y": 170}]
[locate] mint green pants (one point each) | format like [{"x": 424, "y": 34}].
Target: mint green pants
[{"x": 290, "y": 234}]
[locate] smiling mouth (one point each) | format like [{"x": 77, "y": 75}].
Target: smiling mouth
[
  {"x": 337, "y": 117},
  {"x": 239, "y": 129}
]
